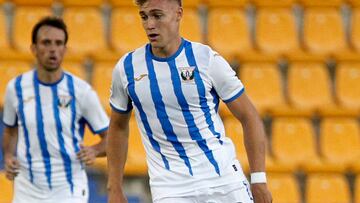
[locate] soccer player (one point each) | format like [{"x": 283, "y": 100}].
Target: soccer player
[
  {"x": 45, "y": 112},
  {"x": 175, "y": 85}
]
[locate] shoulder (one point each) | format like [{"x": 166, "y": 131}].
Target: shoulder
[
  {"x": 201, "y": 51},
  {"x": 131, "y": 58},
  {"x": 78, "y": 82},
  {"x": 22, "y": 80}
]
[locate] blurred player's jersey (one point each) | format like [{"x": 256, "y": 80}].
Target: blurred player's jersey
[
  {"x": 176, "y": 103},
  {"x": 51, "y": 120}
]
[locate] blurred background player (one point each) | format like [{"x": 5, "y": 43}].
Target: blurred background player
[
  {"x": 45, "y": 113},
  {"x": 175, "y": 86}
]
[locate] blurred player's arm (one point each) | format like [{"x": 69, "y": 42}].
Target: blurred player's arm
[
  {"x": 12, "y": 166},
  {"x": 88, "y": 154},
  {"x": 255, "y": 142},
  {"x": 117, "y": 147}
]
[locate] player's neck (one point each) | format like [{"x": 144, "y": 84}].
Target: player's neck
[
  {"x": 49, "y": 77},
  {"x": 168, "y": 50}
]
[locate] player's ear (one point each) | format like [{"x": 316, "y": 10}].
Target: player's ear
[
  {"x": 179, "y": 13},
  {"x": 33, "y": 48}
]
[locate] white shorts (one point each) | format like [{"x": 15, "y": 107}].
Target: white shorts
[
  {"x": 232, "y": 193},
  {"x": 26, "y": 192}
]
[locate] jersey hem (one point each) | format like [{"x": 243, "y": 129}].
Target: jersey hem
[
  {"x": 119, "y": 110},
  {"x": 9, "y": 125}
]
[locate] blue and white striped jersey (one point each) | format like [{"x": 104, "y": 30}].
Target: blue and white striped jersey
[
  {"x": 176, "y": 107},
  {"x": 51, "y": 120}
]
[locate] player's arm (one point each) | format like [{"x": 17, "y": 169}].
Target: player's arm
[
  {"x": 10, "y": 137},
  {"x": 88, "y": 154},
  {"x": 117, "y": 147},
  {"x": 254, "y": 135},
  {"x": 255, "y": 143}
]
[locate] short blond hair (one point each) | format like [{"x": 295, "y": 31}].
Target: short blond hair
[{"x": 141, "y": 2}]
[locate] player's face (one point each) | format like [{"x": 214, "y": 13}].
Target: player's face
[
  {"x": 49, "y": 48},
  {"x": 161, "y": 19}
]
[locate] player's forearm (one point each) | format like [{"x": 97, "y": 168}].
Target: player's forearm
[
  {"x": 117, "y": 145},
  {"x": 255, "y": 143},
  {"x": 254, "y": 134},
  {"x": 9, "y": 141}
]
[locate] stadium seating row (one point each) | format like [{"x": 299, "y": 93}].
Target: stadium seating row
[
  {"x": 285, "y": 188},
  {"x": 323, "y": 33},
  {"x": 296, "y": 147},
  {"x": 305, "y": 90},
  {"x": 192, "y": 2}
]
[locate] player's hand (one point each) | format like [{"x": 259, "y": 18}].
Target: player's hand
[
  {"x": 12, "y": 167},
  {"x": 261, "y": 193},
  {"x": 87, "y": 154}
]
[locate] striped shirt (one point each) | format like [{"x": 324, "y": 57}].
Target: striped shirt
[
  {"x": 176, "y": 103},
  {"x": 51, "y": 120}
]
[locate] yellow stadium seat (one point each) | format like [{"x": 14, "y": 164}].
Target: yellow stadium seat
[
  {"x": 280, "y": 22},
  {"x": 136, "y": 160},
  {"x": 117, "y": 3},
  {"x": 228, "y": 32},
  {"x": 355, "y": 28},
  {"x": 75, "y": 68},
  {"x": 86, "y": 30},
  {"x": 277, "y": 3},
  {"x": 309, "y": 87},
  {"x": 340, "y": 141},
  {"x": 355, "y": 3},
  {"x": 24, "y": 20},
  {"x": 9, "y": 70},
  {"x": 33, "y": 3},
  {"x": 323, "y": 31},
  {"x": 263, "y": 85},
  {"x": 4, "y": 39},
  {"x": 329, "y": 188},
  {"x": 192, "y": 3},
  {"x": 321, "y": 2},
  {"x": 293, "y": 135},
  {"x": 227, "y": 3},
  {"x": 81, "y": 3},
  {"x": 126, "y": 18},
  {"x": 6, "y": 192},
  {"x": 284, "y": 188},
  {"x": 190, "y": 25},
  {"x": 347, "y": 78},
  {"x": 101, "y": 81},
  {"x": 357, "y": 189}
]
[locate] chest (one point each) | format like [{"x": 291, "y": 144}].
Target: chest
[{"x": 169, "y": 84}]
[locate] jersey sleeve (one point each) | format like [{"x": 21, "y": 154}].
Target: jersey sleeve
[
  {"x": 93, "y": 112},
  {"x": 226, "y": 83},
  {"x": 9, "y": 114},
  {"x": 119, "y": 99}
]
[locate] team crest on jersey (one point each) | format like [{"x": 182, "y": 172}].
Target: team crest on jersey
[
  {"x": 64, "y": 101},
  {"x": 187, "y": 73}
]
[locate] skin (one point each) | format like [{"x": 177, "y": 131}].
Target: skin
[
  {"x": 161, "y": 19},
  {"x": 49, "y": 51}
]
